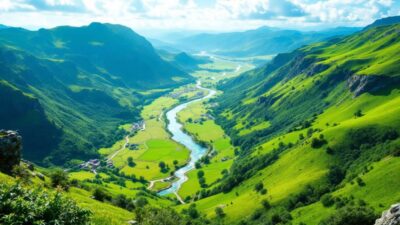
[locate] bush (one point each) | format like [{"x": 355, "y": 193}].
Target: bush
[
  {"x": 100, "y": 194},
  {"x": 59, "y": 178},
  {"x": 219, "y": 212},
  {"x": 265, "y": 203},
  {"x": 131, "y": 163},
  {"x": 327, "y": 200},
  {"x": 317, "y": 143},
  {"x": 34, "y": 206},
  {"x": 336, "y": 175},
  {"x": 258, "y": 187},
  {"x": 351, "y": 215}
]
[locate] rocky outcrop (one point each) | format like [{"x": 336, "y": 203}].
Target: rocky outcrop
[
  {"x": 390, "y": 217},
  {"x": 10, "y": 150},
  {"x": 359, "y": 84}
]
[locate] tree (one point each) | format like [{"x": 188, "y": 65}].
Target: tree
[
  {"x": 259, "y": 186},
  {"x": 265, "y": 203},
  {"x": 192, "y": 211},
  {"x": 141, "y": 202},
  {"x": 358, "y": 113},
  {"x": 59, "y": 178},
  {"x": 175, "y": 162},
  {"x": 335, "y": 175},
  {"x": 327, "y": 200},
  {"x": 219, "y": 212},
  {"x": 162, "y": 166},
  {"x": 131, "y": 163},
  {"x": 200, "y": 173},
  {"x": 100, "y": 194}
]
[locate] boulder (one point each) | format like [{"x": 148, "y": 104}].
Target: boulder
[
  {"x": 10, "y": 150},
  {"x": 390, "y": 217}
]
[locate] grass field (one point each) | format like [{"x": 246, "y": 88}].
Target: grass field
[{"x": 213, "y": 135}]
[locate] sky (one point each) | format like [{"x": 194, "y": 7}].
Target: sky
[{"x": 201, "y": 15}]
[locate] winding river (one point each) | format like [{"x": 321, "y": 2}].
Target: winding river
[{"x": 196, "y": 151}]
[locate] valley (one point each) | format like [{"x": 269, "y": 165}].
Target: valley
[{"x": 260, "y": 127}]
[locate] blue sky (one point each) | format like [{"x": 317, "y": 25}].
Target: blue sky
[{"x": 210, "y": 15}]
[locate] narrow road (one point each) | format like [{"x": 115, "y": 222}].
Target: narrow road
[
  {"x": 152, "y": 182},
  {"x": 123, "y": 147},
  {"x": 179, "y": 198}
]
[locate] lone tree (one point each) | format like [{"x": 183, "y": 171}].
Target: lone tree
[
  {"x": 219, "y": 212},
  {"x": 131, "y": 163},
  {"x": 10, "y": 150},
  {"x": 162, "y": 166}
]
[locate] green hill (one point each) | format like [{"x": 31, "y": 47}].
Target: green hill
[
  {"x": 84, "y": 81},
  {"x": 318, "y": 129}
]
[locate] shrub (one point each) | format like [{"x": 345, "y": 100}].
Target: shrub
[
  {"x": 100, "y": 194},
  {"x": 258, "y": 187},
  {"x": 317, "y": 143},
  {"x": 59, "y": 178},
  {"x": 360, "y": 182},
  {"x": 335, "y": 175},
  {"x": 34, "y": 206},
  {"x": 351, "y": 215},
  {"x": 327, "y": 200},
  {"x": 263, "y": 191},
  {"x": 219, "y": 212},
  {"x": 131, "y": 163},
  {"x": 265, "y": 203}
]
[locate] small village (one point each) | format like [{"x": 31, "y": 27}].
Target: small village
[{"x": 94, "y": 164}]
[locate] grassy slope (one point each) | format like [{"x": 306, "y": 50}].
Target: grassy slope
[
  {"x": 103, "y": 213},
  {"x": 301, "y": 164}
]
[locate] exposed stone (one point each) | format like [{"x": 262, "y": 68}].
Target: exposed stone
[
  {"x": 390, "y": 217},
  {"x": 359, "y": 84},
  {"x": 10, "y": 150}
]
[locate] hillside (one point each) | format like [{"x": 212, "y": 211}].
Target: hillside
[
  {"x": 384, "y": 22},
  {"x": 318, "y": 129},
  {"x": 262, "y": 41},
  {"x": 80, "y": 90}
]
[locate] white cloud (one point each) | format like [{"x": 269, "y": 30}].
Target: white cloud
[{"x": 197, "y": 14}]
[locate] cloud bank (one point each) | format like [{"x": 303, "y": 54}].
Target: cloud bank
[{"x": 196, "y": 14}]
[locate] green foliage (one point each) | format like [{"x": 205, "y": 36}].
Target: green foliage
[
  {"x": 327, "y": 200},
  {"x": 352, "y": 215},
  {"x": 19, "y": 205},
  {"x": 59, "y": 178},
  {"x": 100, "y": 194},
  {"x": 219, "y": 212},
  {"x": 131, "y": 163}
]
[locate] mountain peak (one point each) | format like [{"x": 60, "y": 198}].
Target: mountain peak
[{"x": 384, "y": 21}]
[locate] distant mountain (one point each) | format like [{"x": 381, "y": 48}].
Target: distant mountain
[
  {"x": 183, "y": 60},
  {"x": 3, "y": 26},
  {"x": 262, "y": 41},
  {"x": 384, "y": 22},
  {"x": 84, "y": 81}
]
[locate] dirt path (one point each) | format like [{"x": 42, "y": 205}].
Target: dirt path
[
  {"x": 179, "y": 198},
  {"x": 123, "y": 147}
]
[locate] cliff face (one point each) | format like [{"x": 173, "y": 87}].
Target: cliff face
[
  {"x": 390, "y": 217},
  {"x": 10, "y": 150}
]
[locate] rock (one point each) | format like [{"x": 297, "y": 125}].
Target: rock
[
  {"x": 359, "y": 84},
  {"x": 390, "y": 217},
  {"x": 10, "y": 150}
]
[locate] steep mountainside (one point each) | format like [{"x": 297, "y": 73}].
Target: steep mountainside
[
  {"x": 384, "y": 22},
  {"x": 262, "y": 41},
  {"x": 84, "y": 82},
  {"x": 319, "y": 134}
]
